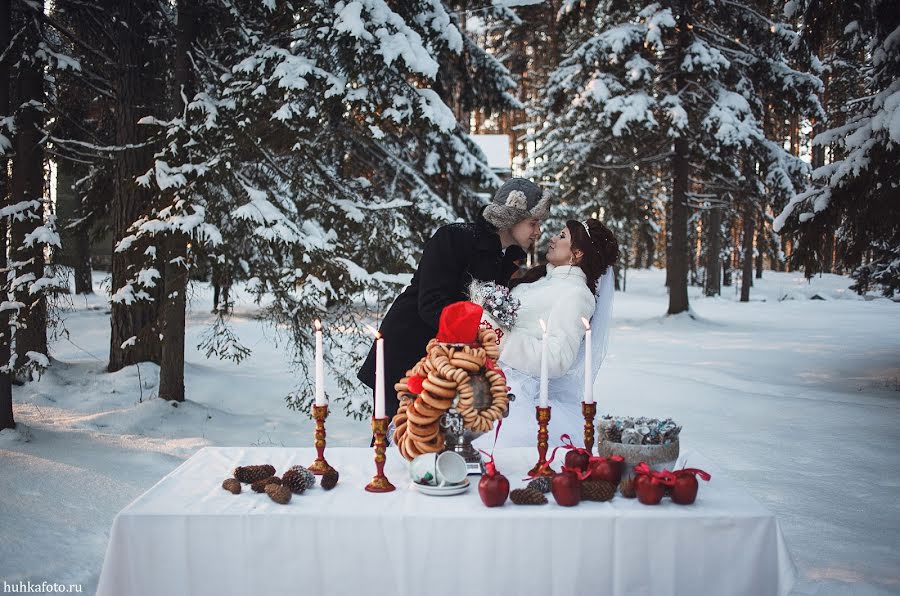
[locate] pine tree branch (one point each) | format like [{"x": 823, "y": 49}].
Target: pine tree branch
[{"x": 62, "y": 29}]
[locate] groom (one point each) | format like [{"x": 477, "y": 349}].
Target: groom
[{"x": 487, "y": 250}]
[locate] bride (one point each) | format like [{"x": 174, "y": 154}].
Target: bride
[{"x": 577, "y": 282}]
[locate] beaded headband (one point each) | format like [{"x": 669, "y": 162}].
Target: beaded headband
[{"x": 586, "y": 230}]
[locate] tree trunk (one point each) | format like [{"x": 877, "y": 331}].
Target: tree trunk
[
  {"x": 28, "y": 185},
  {"x": 762, "y": 242},
  {"x": 747, "y": 269},
  {"x": 129, "y": 200},
  {"x": 6, "y": 407},
  {"x": 171, "y": 373},
  {"x": 677, "y": 265},
  {"x": 714, "y": 253},
  {"x": 828, "y": 250},
  {"x": 81, "y": 256}
]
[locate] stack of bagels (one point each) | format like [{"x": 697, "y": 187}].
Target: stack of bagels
[{"x": 446, "y": 372}]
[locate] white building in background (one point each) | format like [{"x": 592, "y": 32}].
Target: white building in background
[{"x": 498, "y": 152}]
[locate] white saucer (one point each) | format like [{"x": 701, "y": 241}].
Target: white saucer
[{"x": 442, "y": 491}]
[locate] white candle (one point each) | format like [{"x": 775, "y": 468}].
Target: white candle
[
  {"x": 379, "y": 373},
  {"x": 588, "y": 372},
  {"x": 545, "y": 380},
  {"x": 320, "y": 367}
]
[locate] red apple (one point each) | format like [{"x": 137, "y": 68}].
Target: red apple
[
  {"x": 606, "y": 468},
  {"x": 566, "y": 486},
  {"x": 493, "y": 486},
  {"x": 649, "y": 491},
  {"x": 684, "y": 490},
  {"x": 578, "y": 458}
]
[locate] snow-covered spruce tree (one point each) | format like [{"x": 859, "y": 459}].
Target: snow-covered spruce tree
[
  {"x": 31, "y": 224},
  {"x": 679, "y": 83},
  {"x": 856, "y": 189},
  {"x": 310, "y": 156}
]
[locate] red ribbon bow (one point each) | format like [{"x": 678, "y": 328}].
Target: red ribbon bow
[
  {"x": 665, "y": 477},
  {"x": 489, "y": 465},
  {"x": 695, "y": 471},
  {"x": 544, "y": 466},
  {"x": 567, "y": 443},
  {"x": 581, "y": 475}
]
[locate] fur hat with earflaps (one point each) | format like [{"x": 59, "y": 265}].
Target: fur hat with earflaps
[{"x": 516, "y": 200}]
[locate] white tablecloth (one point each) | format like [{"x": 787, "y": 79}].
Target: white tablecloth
[{"x": 187, "y": 536}]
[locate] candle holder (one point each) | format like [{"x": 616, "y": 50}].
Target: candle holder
[
  {"x": 589, "y": 411},
  {"x": 380, "y": 483},
  {"x": 320, "y": 466},
  {"x": 541, "y": 468}
]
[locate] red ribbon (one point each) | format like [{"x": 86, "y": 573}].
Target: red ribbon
[
  {"x": 490, "y": 365},
  {"x": 544, "y": 466},
  {"x": 581, "y": 475},
  {"x": 489, "y": 466},
  {"x": 567, "y": 443},
  {"x": 695, "y": 471},
  {"x": 665, "y": 477}
]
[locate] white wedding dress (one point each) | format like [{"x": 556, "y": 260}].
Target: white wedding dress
[{"x": 561, "y": 299}]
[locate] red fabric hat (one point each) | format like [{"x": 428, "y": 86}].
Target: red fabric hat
[{"x": 459, "y": 323}]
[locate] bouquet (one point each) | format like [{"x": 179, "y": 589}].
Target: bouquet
[{"x": 497, "y": 301}]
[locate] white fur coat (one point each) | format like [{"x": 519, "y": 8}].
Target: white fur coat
[{"x": 561, "y": 299}]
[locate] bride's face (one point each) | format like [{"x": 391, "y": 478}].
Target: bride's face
[{"x": 560, "y": 252}]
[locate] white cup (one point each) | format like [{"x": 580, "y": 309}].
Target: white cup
[
  {"x": 446, "y": 469},
  {"x": 451, "y": 468}
]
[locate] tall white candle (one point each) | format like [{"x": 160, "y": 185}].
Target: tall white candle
[
  {"x": 588, "y": 367},
  {"x": 320, "y": 367},
  {"x": 543, "y": 396},
  {"x": 379, "y": 375}
]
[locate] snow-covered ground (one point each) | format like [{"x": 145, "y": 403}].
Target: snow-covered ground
[{"x": 797, "y": 399}]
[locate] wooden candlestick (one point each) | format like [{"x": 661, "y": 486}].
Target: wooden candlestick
[
  {"x": 380, "y": 483},
  {"x": 541, "y": 468},
  {"x": 589, "y": 410},
  {"x": 320, "y": 466}
]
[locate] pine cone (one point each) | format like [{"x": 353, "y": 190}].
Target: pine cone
[
  {"x": 260, "y": 485},
  {"x": 279, "y": 494},
  {"x": 232, "y": 485},
  {"x": 298, "y": 479},
  {"x": 250, "y": 474},
  {"x": 541, "y": 484},
  {"x": 626, "y": 487},
  {"x": 597, "y": 490},
  {"x": 330, "y": 479},
  {"x": 527, "y": 496}
]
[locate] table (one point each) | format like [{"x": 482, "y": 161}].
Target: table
[{"x": 188, "y": 536}]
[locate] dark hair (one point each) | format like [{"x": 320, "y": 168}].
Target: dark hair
[{"x": 599, "y": 250}]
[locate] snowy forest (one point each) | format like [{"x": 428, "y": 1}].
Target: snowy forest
[{"x": 308, "y": 149}]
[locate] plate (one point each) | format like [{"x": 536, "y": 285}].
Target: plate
[{"x": 442, "y": 491}]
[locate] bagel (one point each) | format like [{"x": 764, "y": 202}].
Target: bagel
[
  {"x": 418, "y": 418},
  {"x": 437, "y": 390},
  {"x": 437, "y": 380},
  {"x": 435, "y": 402},
  {"x": 466, "y": 365},
  {"x": 429, "y": 411},
  {"x": 411, "y": 450},
  {"x": 422, "y": 433},
  {"x": 431, "y": 446}
]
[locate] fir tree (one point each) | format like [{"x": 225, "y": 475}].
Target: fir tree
[
  {"x": 857, "y": 183},
  {"x": 680, "y": 86}
]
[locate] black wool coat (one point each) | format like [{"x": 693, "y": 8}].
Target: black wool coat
[{"x": 452, "y": 258}]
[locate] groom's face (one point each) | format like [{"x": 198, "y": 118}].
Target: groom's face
[{"x": 526, "y": 232}]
